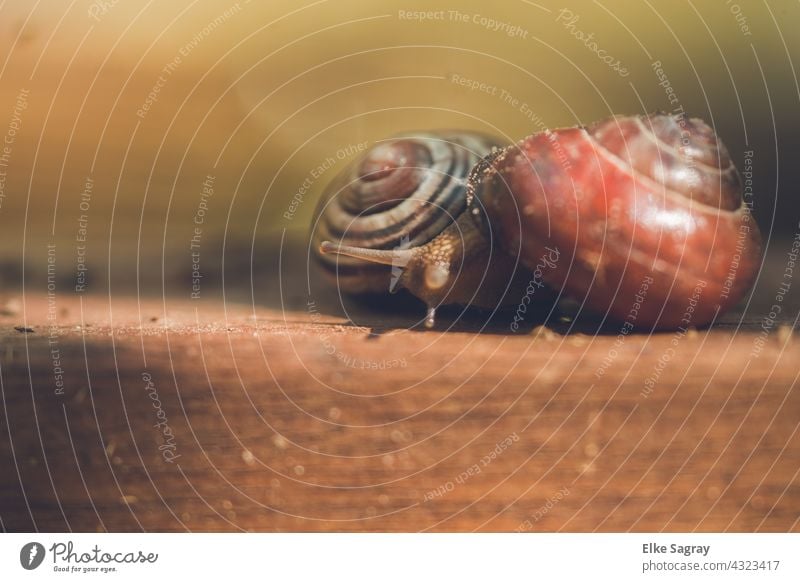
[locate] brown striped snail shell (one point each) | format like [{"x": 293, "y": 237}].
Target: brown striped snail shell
[
  {"x": 396, "y": 218},
  {"x": 633, "y": 200}
]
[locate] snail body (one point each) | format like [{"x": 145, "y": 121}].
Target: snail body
[
  {"x": 649, "y": 208},
  {"x": 639, "y": 218},
  {"x": 396, "y": 218}
]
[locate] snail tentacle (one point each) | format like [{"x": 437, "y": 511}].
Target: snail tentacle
[
  {"x": 396, "y": 219},
  {"x": 395, "y": 257},
  {"x": 651, "y": 208}
]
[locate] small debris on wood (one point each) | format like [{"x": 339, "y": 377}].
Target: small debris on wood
[
  {"x": 375, "y": 333},
  {"x": 11, "y": 307},
  {"x": 785, "y": 333},
  {"x": 23, "y": 329},
  {"x": 279, "y": 441},
  {"x": 578, "y": 339},
  {"x": 542, "y": 332},
  {"x": 400, "y": 436}
]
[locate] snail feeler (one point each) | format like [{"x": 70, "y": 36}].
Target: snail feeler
[
  {"x": 402, "y": 205},
  {"x": 632, "y": 198}
]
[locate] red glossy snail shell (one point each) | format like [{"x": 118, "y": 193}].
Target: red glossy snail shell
[
  {"x": 396, "y": 218},
  {"x": 647, "y": 213}
]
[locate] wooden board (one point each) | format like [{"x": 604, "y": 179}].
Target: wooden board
[{"x": 302, "y": 421}]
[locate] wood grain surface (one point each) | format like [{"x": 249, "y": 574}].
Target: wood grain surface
[
  {"x": 268, "y": 405},
  {"x": 300, "y": 420}
]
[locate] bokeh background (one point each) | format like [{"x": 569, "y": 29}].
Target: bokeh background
[
  {"x": 123, "y": 123},
  {"x": 258, "y": 94}
]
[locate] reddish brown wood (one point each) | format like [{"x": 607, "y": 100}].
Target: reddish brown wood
[{"x": 265, "y": 445}]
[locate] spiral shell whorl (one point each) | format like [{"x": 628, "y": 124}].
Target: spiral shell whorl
[
  {"x": 388, "y": 174},
  {"x": 682, "y": 154},
  {"x": 401, "y": 194},
  {"x": 630, "y": 199}
]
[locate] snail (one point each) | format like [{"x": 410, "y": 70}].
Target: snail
[
  {"x": 650, "y": 209},
  {"x": 396, "y": 218},
  {"x": 645, "y": 212}
]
